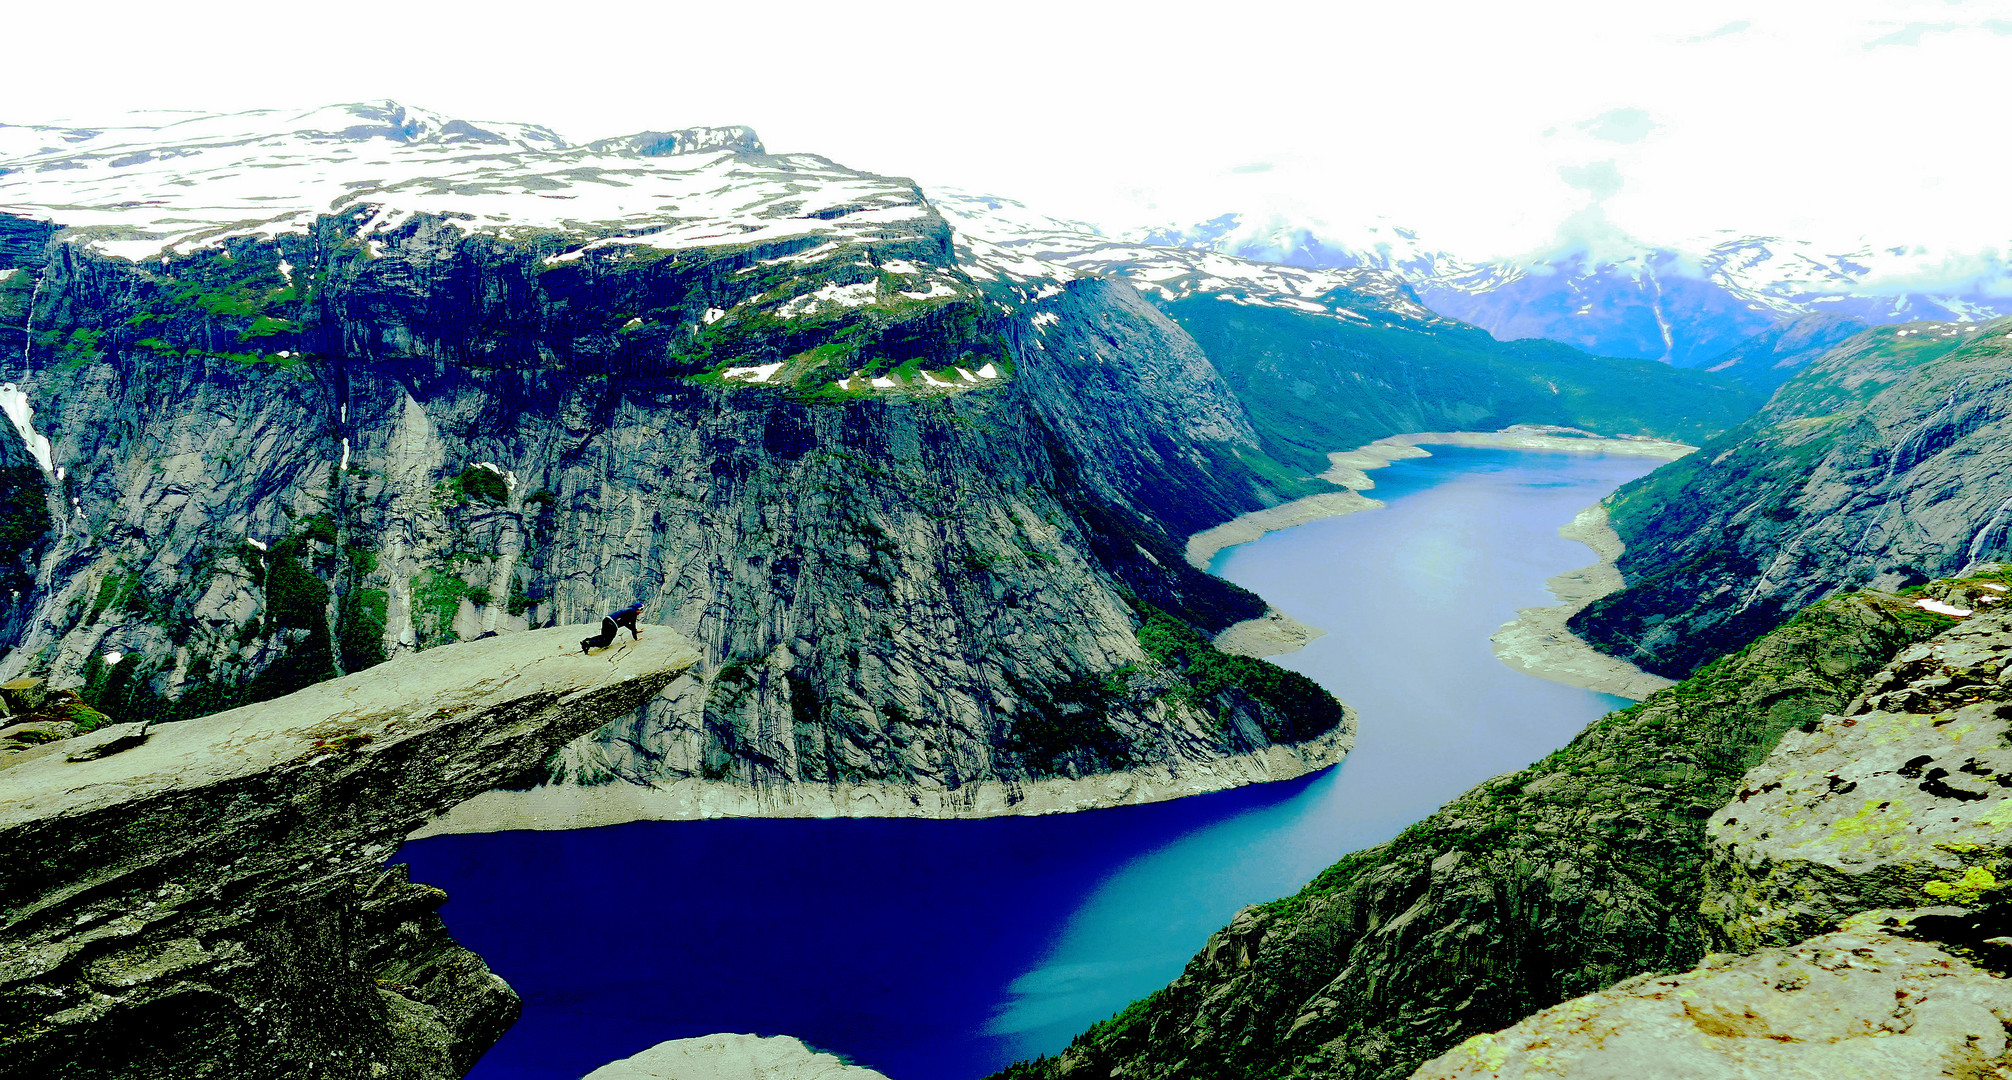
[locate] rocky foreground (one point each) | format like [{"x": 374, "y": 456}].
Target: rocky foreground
[
  {"x": 1827, "y": 808},
  {"x": 208, "y": 898}
]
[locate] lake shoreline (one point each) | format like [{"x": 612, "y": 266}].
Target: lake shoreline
[
  {"x": 1538, "y": 642},
  {"x": 1350, "y": 469},
  {"x": 568, "y": 806}
]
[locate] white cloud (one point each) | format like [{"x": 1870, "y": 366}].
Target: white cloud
[
  {"x": 1620, "y": 125},
  {"x": 1773, "y": 120}
]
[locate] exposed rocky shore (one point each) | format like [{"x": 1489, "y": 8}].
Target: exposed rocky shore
[
  {"x": 1538, "y": 641},
  {"x": 208, "y": 898},
  {"x": 732, "y": 1057},
  {"x": 569, "y": 806},
  {"x": 1350, "y": 469}
]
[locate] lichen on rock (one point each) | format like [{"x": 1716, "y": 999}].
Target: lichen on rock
[
  {"x": 1901, "y": 800},
  {"x": 1857, "y": 1002}
]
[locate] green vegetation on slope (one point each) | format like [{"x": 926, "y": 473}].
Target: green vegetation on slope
[
  {"x": 1532, "y": 888},
  {"x": 1313, "y": 384},
  {"x": 1292, "y": 708}
]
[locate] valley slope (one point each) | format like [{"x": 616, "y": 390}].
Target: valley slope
[{"x": 1884, "y": 461}]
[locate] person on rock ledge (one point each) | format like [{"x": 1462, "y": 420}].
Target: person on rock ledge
[{"x": 610, "y": 624}]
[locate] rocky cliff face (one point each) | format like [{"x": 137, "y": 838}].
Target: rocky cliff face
[
  {"x": 1534, "y": 887},
  {"x": 1884, "y": 462},
  {"x": 915, "y": 518},
  {"x": 208, "y": 898}
]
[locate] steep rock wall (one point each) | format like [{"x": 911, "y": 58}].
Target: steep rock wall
[
  {"x": 1884, "y": 462},
  {"x": 290, "y": 458}
]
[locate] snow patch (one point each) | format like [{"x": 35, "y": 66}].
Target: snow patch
[
  {"x": 114, "y": 657},
  {"x": 988, "y": 372},
  {"x": 936, "y": 289},
  {"x": 885, "y": 383},
  {"x": 857, "y": 294},
  {"x": 14, "y": 402},
  {"x": 760, "y": 373},
  {"x": 509, "y": 478},
  {"x": 259, "y": 544},
  {"x": 1941, "y": 608},
  {"x": 714, "y": 315}
]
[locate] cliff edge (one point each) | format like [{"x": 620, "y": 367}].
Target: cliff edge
[{"x": 208, "y": 898}]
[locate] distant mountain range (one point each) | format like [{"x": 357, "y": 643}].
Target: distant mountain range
[{"x": 1688, "y": 309}]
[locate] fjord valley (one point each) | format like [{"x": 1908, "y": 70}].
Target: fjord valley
[{"x": 332, "y": 432}]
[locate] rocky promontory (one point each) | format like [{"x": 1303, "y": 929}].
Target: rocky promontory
[{"x": 207, "y": 898}]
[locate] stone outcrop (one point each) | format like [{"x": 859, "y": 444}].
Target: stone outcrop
[
  {"x": 1856, "y": 882},
  {"x": 1882, "y": 464},
  {"x": 1859, "y": 1002},
  {"x": 732, "y": 1057},
  {"x": 208, "y": 897},
  {"x": 1901, "y": 800}
]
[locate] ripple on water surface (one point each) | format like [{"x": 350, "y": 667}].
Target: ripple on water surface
[{"x": 940, "y": 950}]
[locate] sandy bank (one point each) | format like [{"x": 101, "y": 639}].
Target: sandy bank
[
  {"x": 1350, "y": 469},
  {"x": 1270, "y": 634},
  {"x": 1537, "y": 641},
  {"x": 566, "y": 806}
]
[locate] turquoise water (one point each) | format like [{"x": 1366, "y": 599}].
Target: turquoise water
[{"x": 940, "y": 950}]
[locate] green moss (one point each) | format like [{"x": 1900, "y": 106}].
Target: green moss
[
  {"x": 85, "y": 717},
  {"x": 362, "y": 627},
  {"x": 1967, "y": 889},
  {"x": 436, "y": 599},
  {"x": 477, "y": 482}
]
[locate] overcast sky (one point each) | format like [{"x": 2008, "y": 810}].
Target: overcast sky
[{"x": 1491, "y": 127}]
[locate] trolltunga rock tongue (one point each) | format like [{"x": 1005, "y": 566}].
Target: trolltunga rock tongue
[{"x": 210, "y": 899}]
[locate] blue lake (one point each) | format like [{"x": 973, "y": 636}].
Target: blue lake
[{"x": 942, "y": 950}]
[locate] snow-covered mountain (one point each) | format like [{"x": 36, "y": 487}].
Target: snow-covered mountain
[
  {"x": 1006, "y": 238},
  {"x": 167, "y": 181},
  {"x": 1685, "y": 308}
]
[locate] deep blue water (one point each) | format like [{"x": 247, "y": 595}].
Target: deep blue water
[{"x": 941, "y": 950}]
